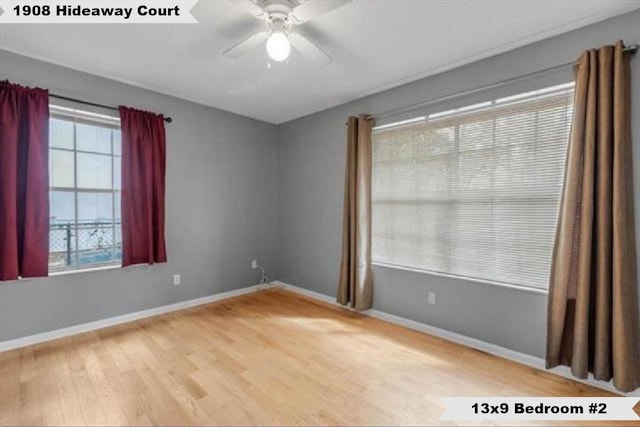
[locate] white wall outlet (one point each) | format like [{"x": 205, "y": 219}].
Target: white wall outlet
[
  {"x": 432, "y": 297},
  {"x": 254, "y": 264},
  {"x": 176, "y": 279}
]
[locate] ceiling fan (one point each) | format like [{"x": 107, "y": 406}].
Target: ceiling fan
[{"x": 280, "y": 17}]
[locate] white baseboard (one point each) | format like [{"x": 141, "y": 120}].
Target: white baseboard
[
  {"x": 112, "y": 321},
  {"x": 523, "y": 358},
  {"x": 496, "y": 350},
  {"x": 307, "y": 292}
]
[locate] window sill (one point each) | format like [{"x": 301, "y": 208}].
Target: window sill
[
  {"x": 85, "y": 270},
  {"x": 66, "y": 273},
  {"x": 469, "y": 279}
]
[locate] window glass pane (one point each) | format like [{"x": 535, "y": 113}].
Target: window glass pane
[
  {"x": 93, "y": 138},
  {"x": 95, "y": 207},
  {"x": 61, "y": 229},
  {"x": 95, "y": 228},
  {"x": 62, "y": 206},
  {"x": 117, "y": 206},
  {"x": 94, "y": 171},
  {"x": 94, "y": 237},
  {"x": 95, "y": 243},
  {"x": 117, "y": 248},
  {"x": 117, "y": 143},
  {"x": 60, "y": 168},
  {"x": 61, "y": 246},
  {"x": 61, "y": 134},
  {"x": 117, "y": 170}
]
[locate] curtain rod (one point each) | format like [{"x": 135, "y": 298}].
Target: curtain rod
[
  {"x": 93, "y": 104},
  {"x": 631, "y": 49}
]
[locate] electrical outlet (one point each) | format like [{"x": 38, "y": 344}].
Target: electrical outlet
[
  {"x": 432, "y": 297},
  {"x": 254, "y": 264},
  {"x": 176, "y": 279}
]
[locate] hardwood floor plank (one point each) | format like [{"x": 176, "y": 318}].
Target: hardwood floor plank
[
  {"x": 9, "y": 388},
  {"x": 268, "y": 358}
]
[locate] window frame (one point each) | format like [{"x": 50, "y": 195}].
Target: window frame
[
  {"x": 459, "y": 114},
  {"x": 76, "y": 116}
]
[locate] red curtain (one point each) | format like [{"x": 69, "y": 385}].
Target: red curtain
[
  {"x": 24, "y": 181},
  {"x": 143, "y": 186}
]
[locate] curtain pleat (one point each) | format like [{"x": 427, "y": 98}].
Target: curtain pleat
[
  {"x": 592, "y": 312},
  {"x": 356, "y": 284},
  {"x": 24, "y": 181},
  {"x": 143, "y": 187}
]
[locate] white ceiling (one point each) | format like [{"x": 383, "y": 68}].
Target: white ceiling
[{"x": 376, "y": 44}]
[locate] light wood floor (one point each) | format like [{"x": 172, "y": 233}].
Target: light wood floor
[{"x": 272, "y": 357}]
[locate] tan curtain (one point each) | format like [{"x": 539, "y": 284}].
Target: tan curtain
[
  {"x": 356, "y": 284},
  {"x": 593, "y": 313}
]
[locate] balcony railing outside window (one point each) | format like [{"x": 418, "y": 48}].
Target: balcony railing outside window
[{"x": 85, "y": 245}]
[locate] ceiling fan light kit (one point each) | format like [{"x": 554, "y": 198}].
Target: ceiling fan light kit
[
  {"x": 278, "y": 46},
  {"x": 280, "y": 16}
]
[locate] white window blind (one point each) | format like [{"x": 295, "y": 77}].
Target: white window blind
[{"x": 475, "y": 191}]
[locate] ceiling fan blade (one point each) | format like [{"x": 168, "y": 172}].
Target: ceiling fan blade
[
  {"x": 309, "y": 49},
  {"x": 314, "y": 8},
  {"x": 249, "y": 6},
  {"x": 246, "y": 45}
]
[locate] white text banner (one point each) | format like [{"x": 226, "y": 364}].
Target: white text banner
[
  {"x": 540, "y": 408},
  {"x": 97, "y": 12}
]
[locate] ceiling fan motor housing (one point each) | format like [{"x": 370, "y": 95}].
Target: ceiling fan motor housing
[{"x": 278, "y": 13}]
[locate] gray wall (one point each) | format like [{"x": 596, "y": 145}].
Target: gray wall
[
  {"x": 312, "y": 159},
  {"x": 221, "y": 203}
]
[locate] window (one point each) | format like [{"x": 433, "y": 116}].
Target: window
[
  {"x": 474, "y": 191},
  {"x": 84, "y": 176}
]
